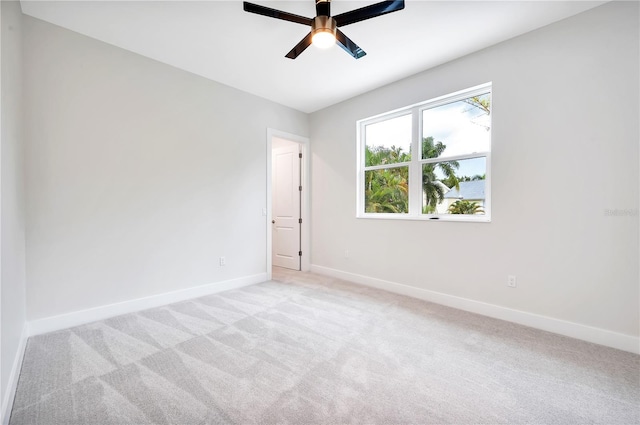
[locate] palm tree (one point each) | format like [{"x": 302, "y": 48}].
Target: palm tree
[
  {"x": 386, "y": 190},
  {"x": 434, "y": 189},
  {"x": 465, "y": 207},
  {"x": 380, "y": 155},
  {"x": 482, "y": 102},
  {"x": 450, "y": 182}
]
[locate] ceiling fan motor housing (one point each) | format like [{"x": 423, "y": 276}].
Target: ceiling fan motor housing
[{"x": 324, "y": 24}]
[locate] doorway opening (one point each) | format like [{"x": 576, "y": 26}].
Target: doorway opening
[{"x": 288, "y": 201}]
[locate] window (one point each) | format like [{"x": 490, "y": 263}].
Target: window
[{"x": 428, "y": 161}]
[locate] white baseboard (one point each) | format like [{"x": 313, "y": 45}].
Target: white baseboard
[
  {"x": 77, "y": 318},
  {"x": 10, "y": 393},
  {"x": 574, "y": 330}
]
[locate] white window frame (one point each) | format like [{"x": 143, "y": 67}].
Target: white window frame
[{"x": 415, "y": 165}]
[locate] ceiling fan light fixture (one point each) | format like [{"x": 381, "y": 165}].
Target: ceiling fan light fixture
[
  {"x": 323, "y": 39},
  {"x": 323, "y": 32},
  {"x": 324, "y": 27}
]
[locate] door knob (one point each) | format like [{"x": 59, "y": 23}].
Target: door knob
[{"x": 273, "y": 222}]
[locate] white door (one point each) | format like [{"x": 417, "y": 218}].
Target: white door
[{"x": 286, "y": 207}]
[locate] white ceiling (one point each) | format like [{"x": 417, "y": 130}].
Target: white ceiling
[{"x": 219, "y": 41}]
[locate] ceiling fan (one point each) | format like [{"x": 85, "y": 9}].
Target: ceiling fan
[{"x": 324, "y": 27}]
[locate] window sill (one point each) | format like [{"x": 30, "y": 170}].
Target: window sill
[{"x": 461, "y": 218}]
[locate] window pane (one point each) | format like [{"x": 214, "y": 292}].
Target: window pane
[
  {"x": 388, "y": 142},
  {"x": 387, "y": 190},
  {"x": 454, "y": 187},
  {"x": 457, "y": 128}
]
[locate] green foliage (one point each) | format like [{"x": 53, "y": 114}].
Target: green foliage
[
  {"x": 465, "y": 207},
  {"x": 387, "y": 190},
  {"x": 428, "y": 209},
  {"x": 453, "y": 181},
  {"x": 380, "y": 155},
  {"x": 433, "y": 188},
  {"x": 482, "y": 102}
]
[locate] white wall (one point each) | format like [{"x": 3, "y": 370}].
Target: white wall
[
  {"x": 12, "y": 223},
  {"x": 565, "y": 149},
  {"x": 139, "y": 175}
]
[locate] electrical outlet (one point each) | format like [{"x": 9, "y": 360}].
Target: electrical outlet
[
  {"x": 511, "y": 281},
  {"x": 223, "y": 261}
]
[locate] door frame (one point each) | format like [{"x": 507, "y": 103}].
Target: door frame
[{"x": 305, "y": 229}]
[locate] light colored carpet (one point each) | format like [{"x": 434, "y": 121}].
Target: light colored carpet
[{"x": 309, "y": 349}]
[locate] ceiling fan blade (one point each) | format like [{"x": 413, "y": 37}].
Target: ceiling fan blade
[
  {"x": 278, "y": 14},
  {"x": 300, "y": 47},
  {"x": 349, "y": 46},
  {"x": 368, "y": 12}
]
